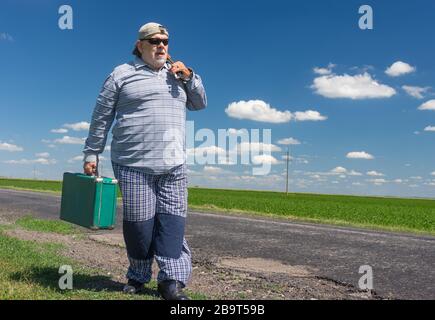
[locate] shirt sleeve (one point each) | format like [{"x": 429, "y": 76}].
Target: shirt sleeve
[
  {"x": 196, "y": 97},
  {"x": 102, "y": 119}
]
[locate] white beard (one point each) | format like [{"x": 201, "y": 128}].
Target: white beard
[{"x": 160, "y": 62}]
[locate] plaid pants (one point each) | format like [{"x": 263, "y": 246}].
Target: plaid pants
[{"x": 154, "y": 209}]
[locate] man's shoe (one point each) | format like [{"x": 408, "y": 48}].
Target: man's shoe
[
  {"x": 171, "y": 290},
  {"x": 133, "y": 287}
]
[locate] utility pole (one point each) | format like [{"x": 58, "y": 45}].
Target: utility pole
[{"x": 287, "y": 159}]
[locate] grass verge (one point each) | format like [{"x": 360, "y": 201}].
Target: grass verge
[
  {"x": 53, "y": 226},
  {"x": 30, "y": 271}
]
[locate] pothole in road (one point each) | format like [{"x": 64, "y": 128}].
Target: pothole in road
[{"x": 265, "y": 266}]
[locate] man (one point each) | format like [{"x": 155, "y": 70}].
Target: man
[{"x": 148, "y": 97}]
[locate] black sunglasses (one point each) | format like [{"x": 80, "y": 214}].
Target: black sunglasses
[{"x": 156, "y": 41}]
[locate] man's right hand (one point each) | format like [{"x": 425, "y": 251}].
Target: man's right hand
[{"x": 90, "y": 168}]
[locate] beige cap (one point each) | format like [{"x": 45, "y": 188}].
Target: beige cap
[{"x": 150, "y": 29}]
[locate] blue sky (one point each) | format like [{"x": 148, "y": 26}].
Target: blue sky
[{"x": 359, "y": 103}]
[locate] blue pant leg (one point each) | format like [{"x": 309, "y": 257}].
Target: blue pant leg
[
  {"x": 138, "y": 197},
  {"x": 171, "y": 250}
]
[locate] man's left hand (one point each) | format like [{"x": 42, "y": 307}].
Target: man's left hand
[{"x": 181, "y": 70}]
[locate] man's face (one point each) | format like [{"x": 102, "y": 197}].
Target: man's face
[{"x": 154, "y": 54}]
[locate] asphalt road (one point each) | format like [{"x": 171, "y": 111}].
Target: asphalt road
[{"x": 403, "y": 265}]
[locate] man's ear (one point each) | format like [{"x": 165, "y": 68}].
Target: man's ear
[{"x": 138, "y": 46}]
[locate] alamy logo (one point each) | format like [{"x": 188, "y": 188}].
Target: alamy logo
[
  {"x": 230, "y": 147},
  {"x": 366, "y": 281},
  {"x": 366, "y": 20},
  {"x": 66, "y": 20},
  {"x": 66, "y": 281}
]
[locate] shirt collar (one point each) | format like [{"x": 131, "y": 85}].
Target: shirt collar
[{"x": 139, "y": 63}]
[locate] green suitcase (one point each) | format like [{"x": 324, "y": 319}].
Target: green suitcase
[{"x": 89, "y": 201}]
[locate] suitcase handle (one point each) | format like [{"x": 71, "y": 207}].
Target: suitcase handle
[
  {"x": 96, "y": 169},
  {"x": 97, "y": 173}
]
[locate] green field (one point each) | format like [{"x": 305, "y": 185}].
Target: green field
[{"x": 395, "y": 214}]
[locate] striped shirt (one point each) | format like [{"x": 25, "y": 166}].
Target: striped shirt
[{"x": 150, "y": 111}]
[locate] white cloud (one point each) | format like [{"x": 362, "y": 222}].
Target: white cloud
[
  {"x": 398, "y": 180},
  {"x": 70, "y": 140},
  {"x": 46, "y": 161},
  {"x": 43, "y": 155},
  {"x": 288, "y": 141},
  {"x": 6, "y": 37},
  {"x": 357, "y": 184},
  {"x": 10, "y": 147},
  {"x": 354, "y": 173},
  {"x": 212, "y": 170},
  {"x": 432, "y": 173},
  {"x": 359, "y": 155},
  {"x": 79, "y": 126},
  {"x": 399, "y": 68},
  {"x": 416, "y": 177},
  {"x": 343, "y": 172},
  {"x": 77, "y": 158},
  {"x": 324, "y": 71},
  {"x": 428, "y": 105},
  {"x": 248, "y": 178},
  {"x": 429, "y": 128},
  {"x": 257, "y": 147},
  {"x": 226, "y": 161},
  {"x": 377, "y": 181},
  {"x": 235, "y": 132},
  {"x": 339, "y": 170},
  {"x": 257, "y": 110},
  {"x": 285, "y": 158},
  {"x": 264, "y": 159},
  {"x": 203, "y": 151},
  {"x": 361, "y": 86},
  {"x": 416, "y": 92},
  {"x": 191, "y": 172},
  {"x": 302, "y": 160},
  {"x": 309, "y": 115},
  {"x": 223, "y": 157},
  {"x": 364, "y": 68},
  {"x": 375, "y": 174},
  {"x": 60, "y": 130},
  {"x": 80, "y": 158},
  {"x": 43, "y": 161},
  {"x": 261, "y": 111}
]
